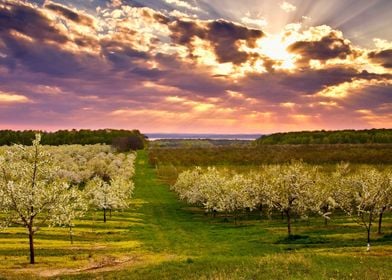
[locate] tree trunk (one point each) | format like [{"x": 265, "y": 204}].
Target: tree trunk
[
  {"x": 368, "y": 235},
  {"x": 288, "y": 222},
  {"x": 226, "y": 219},
  {"x": 368, "y": 239},
  {"x": 368, "y": 230},
  {"x": 71, "y": 235},
  {"x": 380, "y": 220},
  {"x": 110, "y": 211},
  {"x": 325, "y": 210},
  {"x": 31, "y": 242},
  {"x": 104, "y": 215}
]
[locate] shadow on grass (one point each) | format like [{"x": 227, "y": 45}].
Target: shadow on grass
[{"x": 302, "y": 239}]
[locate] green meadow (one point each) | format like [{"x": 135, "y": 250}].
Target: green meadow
[{"x": 160, "y": 237}]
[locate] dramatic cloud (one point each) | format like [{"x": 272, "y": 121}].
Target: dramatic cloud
[
  {"x": 185, "y": 66},
  {"x": 382, "y": 57},
  {"x": 28, "y": 23},
  {"x": 328, "y": 47},
  {"x": 224, "y": 37}
]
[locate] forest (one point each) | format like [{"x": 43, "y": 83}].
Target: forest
[
  {"x": 329, "y": 137},
  {"x": 120, "y": 138}
]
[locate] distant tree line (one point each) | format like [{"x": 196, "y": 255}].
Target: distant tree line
[
  {"x": 120, "y": 139},
  {"x": 371, "y": 136}
]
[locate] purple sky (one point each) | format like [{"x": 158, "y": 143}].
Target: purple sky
[{"x": 196, "y": 66}]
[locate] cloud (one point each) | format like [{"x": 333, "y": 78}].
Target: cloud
[
  {"x": 180, "y": 15},
  {"x": 184, "y": 31},
  {"x": 382, "y": 44},
  {"x": 76, "y": 16},
  {"x": 183, "y": 4},
  {"x": 116, "y": 3},
  {"x": 328, "y": 47},
  {"x": 28, "y": 21},
  {"x": 72, "y": 47},
  {"x": 254, "y": 22},
  {"x": 383, "y": 57},
  {"x": 287, "y": 7},
  {"x": 223, "y": 36},
  {"x": 12, "y": 98}
]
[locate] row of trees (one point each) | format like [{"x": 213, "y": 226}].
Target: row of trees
[
  {"x": 198, "y": 143},
  {"x": 295, "y": 188},
  {"x": 267, "y": 154},
  {"x": 329, "y": 137},
  {"x": 42, "y": 185},
  {"x": 119, "y": 138}
]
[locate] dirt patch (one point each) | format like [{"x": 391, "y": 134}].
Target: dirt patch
[{"x": 107, "y": 263}]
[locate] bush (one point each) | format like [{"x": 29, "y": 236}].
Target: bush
[{"x": 123, "y": 144}]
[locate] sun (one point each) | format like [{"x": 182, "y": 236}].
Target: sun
[{"x": 275, "y": 47}]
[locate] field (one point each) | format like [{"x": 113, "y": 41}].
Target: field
[
  {"x": 160, "y": 236},
  {"x": 248, "y": 155}
]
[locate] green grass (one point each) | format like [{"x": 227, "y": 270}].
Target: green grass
[{"x": 160, "y": 237}]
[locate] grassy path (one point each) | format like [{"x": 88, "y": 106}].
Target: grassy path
[
  {"x": 173, "y": 227},
  {"x": 160, "y": 237}
]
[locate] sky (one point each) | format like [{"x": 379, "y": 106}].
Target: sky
[{"x": 196, "y": 66}]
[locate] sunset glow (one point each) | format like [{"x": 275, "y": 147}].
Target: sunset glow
[{"x": 196, "y": 66}]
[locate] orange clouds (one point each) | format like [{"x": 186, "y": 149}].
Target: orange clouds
[{"x": 159, "y": 69}]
